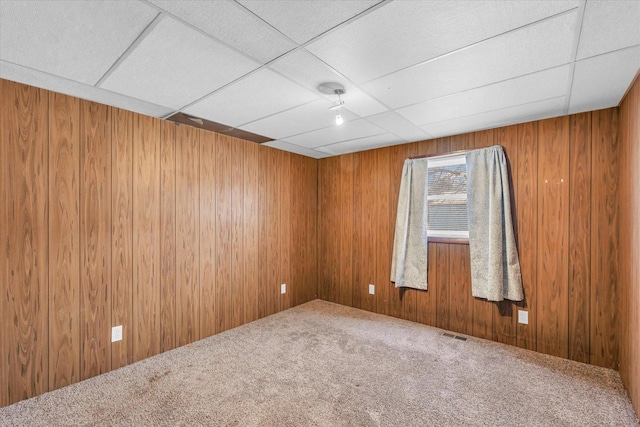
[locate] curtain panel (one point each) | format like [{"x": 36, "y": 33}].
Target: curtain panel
[
  {"x": 495, "y": 267},
  {"x": 409, "y": 262}
]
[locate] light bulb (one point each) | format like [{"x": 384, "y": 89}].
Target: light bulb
[{"x": 339, "y": 120}]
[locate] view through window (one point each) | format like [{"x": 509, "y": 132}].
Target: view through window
[{"x": 447, "y": 197}]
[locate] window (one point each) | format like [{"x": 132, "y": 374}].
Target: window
[{"x": 447, "y": 197}]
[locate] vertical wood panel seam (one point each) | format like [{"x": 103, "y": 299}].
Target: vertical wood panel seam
[
  {"x": 81, "y": 154},
  {"x": 537, "y": 220},
  {"x": 80, "y": 214},
  {"x": 79, "y": 307},
  {"x": 111, "y": 167},
  {"x": 175, "y": 234},
  {"x": 112, "y": 204},
  {"x": 320, "y": 239},
  {"x": 161, "y": 236},
  {"x": 197, "y": 262},
  {"x": 47, "y": 386},
  {"x": 199, "y": 214},
  {"x": 158, "y": 252},
  {"x": 569, "y": 217},
  {"x": 161, "y": 132},
  {"x": 449, "y": 281},
  {"x": 537, "y": 184},
  {"x": 591, "y": 201},
  {"x": 131, "y": 329},
  {"x": 356, "y": 163},
  {"x": 130, "y": 356}
]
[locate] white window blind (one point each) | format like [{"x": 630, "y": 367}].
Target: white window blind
[{"x": 447, "y": 197}]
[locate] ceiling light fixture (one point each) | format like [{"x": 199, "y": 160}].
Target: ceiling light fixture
[
  {"x": 334, "y": 89},
  {"x": 337, "y": 105}
]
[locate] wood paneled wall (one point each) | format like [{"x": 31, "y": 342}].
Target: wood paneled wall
[
  {"x": 564, "y": 182},
  {"x": 629, "y": 274},
  {"x": 112, "y": 218},
  {"x": 108, "y": 217}
]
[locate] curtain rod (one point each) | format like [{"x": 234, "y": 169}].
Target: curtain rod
[{"x": 447, "y": 154}]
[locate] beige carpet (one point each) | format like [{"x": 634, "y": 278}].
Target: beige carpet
[{"x": 328, "y": 365}]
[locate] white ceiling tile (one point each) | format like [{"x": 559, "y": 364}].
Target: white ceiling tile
[
  {"x": 609, "y": 25},
  {"x": 361, "y": 144},
  {"x": 77, "y": 40},
  {"x": 42, "y": 80},
  {"x": 527, "y": 50},
  {"x": 601, "y": 81},
  {"x": 304, "y": 20},
  {"x": 176, "y": 65},
  {"x": 227, "y": 21},
  {"x": 258, "y": 95},
  {"x": 398, "y": 125},
  {"x": 362, "y": 103},
  {"x": 304, "y": 118},
  {"x": 522, "y": 90},
  {"x": 285, "y": 146},
  {"x": 310, "y": 72},
  {"x": 404, "y": 33},
  {"x": 520, "y": 114},
  {"x": 348, "y": 130}
]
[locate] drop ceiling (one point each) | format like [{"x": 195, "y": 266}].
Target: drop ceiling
[{"x": 412, "y": 69}]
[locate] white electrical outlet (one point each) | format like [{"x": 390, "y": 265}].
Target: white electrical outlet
[
  {"x": 283, "y": 288},
  {"x": 523, "y": 317},
  {"x": 372, "y": 289},
  {"x": 116, "y": 333}
]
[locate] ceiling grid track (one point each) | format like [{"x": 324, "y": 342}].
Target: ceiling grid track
[{"x": 574, "y": 53}]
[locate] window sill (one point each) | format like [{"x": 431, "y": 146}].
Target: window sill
[{"x": 449, "y": 240}]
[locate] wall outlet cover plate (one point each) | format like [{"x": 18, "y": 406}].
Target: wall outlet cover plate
[
  {"x": 523, "y": 317},
  {"x": 116, "y": 333}
]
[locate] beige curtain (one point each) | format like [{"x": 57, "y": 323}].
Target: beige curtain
[
  {"x": 495, "y": 268},
  {"x": 409, "y": 262}
]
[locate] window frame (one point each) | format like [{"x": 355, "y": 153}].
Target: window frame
[{"x": 450, "y": 239}]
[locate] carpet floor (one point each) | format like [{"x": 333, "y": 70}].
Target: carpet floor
[{"x": 322, "y": 364}]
